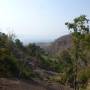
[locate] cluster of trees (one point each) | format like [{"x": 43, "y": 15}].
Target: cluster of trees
[
  {"x": 17, "y": 60},
  {"x": 10, "y": 65}
]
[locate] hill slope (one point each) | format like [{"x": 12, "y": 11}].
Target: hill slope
[
  {"x": 60, "y": 44},
  {"x": 57, "y": 45}
]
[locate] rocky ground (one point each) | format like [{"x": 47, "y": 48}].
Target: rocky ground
[{"x": 9, "y": 84}]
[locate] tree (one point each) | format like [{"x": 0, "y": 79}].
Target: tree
[
  {"x": 35, "y": 50},
  {"x": 79, "y": 29},
  {"x": 18, "y": 43}
]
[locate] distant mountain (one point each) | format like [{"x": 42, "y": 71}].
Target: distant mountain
[
  {"x": 61, "y": 43},
  {"x": 44, "y": 45},
  {"x": 58, "y": 45}
]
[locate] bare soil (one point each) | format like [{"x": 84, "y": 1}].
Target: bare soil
[{"x": 11, "y": 84}]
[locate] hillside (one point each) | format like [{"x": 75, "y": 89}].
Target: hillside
[
  {"x": 58, "y": 45},
  {"x": 61, "y": 44}
]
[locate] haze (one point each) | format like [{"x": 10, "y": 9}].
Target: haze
[{"x": 39, "y": 20}]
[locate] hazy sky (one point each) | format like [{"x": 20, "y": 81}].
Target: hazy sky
[{"x": 40, "y": 20}]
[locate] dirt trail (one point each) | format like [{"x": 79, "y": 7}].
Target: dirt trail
[{"x": 7, "y": 84}]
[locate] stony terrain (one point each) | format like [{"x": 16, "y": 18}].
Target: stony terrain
[{"x": 9, "y": 84}]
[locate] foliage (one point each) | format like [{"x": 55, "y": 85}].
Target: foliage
[
  {"x": 34, "y": 50},
  {"x": 10, "y": 66},
  {"x": 80, "y": 36}
]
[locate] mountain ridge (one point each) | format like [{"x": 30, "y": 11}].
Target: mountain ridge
[{"x": 58, "y": 45}]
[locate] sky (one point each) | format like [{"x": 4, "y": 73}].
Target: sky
[{"x": 40, "y": 20}]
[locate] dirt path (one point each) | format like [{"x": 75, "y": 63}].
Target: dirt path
[{"x": 7, "y": 84}]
